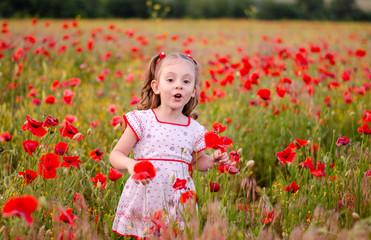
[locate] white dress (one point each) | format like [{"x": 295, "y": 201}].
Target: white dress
[{"x": 169, "y": 147}]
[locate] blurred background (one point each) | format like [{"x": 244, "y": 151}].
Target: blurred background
[{"x": 336, "y": 10}]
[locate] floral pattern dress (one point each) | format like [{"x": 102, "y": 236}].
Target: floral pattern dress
[{"x": 169, "y": 147}]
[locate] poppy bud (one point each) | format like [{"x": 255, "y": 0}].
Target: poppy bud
[
  {"x": 145, "y": 231},
  {"x": 117, "y": 127},
  {"x": 42, "y": 202},
  {"x": 89, "y": 131},
  {"x": 99, "y": 185},
  {"x": 172, "y": 178},
  {"x": 76, "y": 136},
  {"x": 250, "y": 163},
  {"x": 2, "y": 229},
  {"x": 355, "y": 216},
  {"x": 65, "y": 171},
  {"x": 239, "y": 151},
  {"x": 214, "y": 187},
  {"x": 7, "y": 182},
  {"x": 232, "y": 169}
]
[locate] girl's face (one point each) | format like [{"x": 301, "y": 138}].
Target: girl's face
[{"x": 176, "y": 83}]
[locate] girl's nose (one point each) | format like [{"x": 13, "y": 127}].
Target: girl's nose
[{"x": 179, "y": 86}]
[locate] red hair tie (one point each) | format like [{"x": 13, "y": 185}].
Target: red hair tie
[
  {"x": 162, "y": 55},
  {"x": 190, "y": 57}
]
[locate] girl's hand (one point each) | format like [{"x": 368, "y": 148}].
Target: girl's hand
[
  {"x": 220, "y": 158},
  {"x": 131, "y": 172}
]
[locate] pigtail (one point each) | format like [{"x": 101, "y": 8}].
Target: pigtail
[{"x": 149, "y": 99}]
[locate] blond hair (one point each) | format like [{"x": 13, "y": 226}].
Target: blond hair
[{"x": 150, "y": 100}]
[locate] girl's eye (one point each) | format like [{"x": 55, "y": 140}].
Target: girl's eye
[
  {"x": 169, "y": 79},
  {"x": 187, "y": 81}
]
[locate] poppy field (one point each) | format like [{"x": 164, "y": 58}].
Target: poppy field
[{"x": 289, "y": 102}]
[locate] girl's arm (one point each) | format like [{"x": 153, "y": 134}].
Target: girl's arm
[
  {"x": 204, "y": 162},
  {"x": 119, "y": 156}
]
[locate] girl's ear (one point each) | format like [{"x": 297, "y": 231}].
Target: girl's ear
[
  {"x": 154, "y": 86},
  {"x": 194, "y": 92}
]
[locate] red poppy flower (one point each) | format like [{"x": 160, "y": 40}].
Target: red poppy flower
[
  {"x": 269, "y": 217},
  {"x": 66, "y": 235},
  {"x": 315, "y": 49},
  {"x": 307, "y": 79},
  {"x": 70, "y": 131},
  {"x": 264, "y": 94},
  {"x": 368, "y": 173},
  {"x": 30, "y": 146},
  {"x": 47, "y": 165},
  {"x": 228, "y": 169},
  {"x": 28, "y": 175},
  {"x": 347, "y": 97},
  {"x": 342, "y": 141},
  {"x": 297, "y": 143},
  {"x": 99, "y": 178},
  {"x": 179, "y": 184},
  {"x": 243, "y": 207},
  {"x": 293, "y": 188},
  {"x": 69, "y": 118},
  {"x": 69, "y": 161},
  {"x": 116, "y": 120},
  {"x": 144, "y": 169},
  {"x": 67, "y": 216},
  {"x": 74, "y": 81},
  {"x": 286, "y": 155},
  {"x": 211, "y": 140},
  {"x": 49, "y": 121},
  {"x": 134, "y": 100},
  {"x": 319, "y": 171},
  {"x": 235, "y": 157},
  {"x": 360, "y": 53},
  {"x": 60, "y": 148},
  {"x": 188, "y": 195},
  {"x": 364, "y": 129},
  {"x": 114, "y": 174},
  {"x": 96, "y": 155},
  {"x": 22, "y": 206},
  {"x": 214, "y": 187},
  {"x": 67, "y": 96},
  {"x": 79, "y": 200},
  {"x": 35, "y": 127},
  {"x": 36, "y": 101},
  {"x": 225, "y": 141},
  {"x": 218, "y": 127},
  {"x": 308, "y": 163},
  {"x": 50, "y": 99},
  {"x": 280, "y": 91},
  {"x": 366, "y": 117},
  {"x": 5, "y": 137}
]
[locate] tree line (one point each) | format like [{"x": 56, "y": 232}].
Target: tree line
[{"x": 259, "y": 9}]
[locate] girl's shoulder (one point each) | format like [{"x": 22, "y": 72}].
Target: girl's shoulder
[
  {"x": 139, "y": 113},
  {"x": 196, "y": 126}
]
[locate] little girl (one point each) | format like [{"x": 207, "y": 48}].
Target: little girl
[{"x": 162, "y": 132}]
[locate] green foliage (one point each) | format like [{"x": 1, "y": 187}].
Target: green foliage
[{"x": 264, "y": 9}]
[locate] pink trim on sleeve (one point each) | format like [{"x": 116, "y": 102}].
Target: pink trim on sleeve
[
  {"x": 128, "y": 123},
  {"x": 201, "y": 150}
]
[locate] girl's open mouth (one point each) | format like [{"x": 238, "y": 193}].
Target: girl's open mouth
[{"x": 178, "y": 96}]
